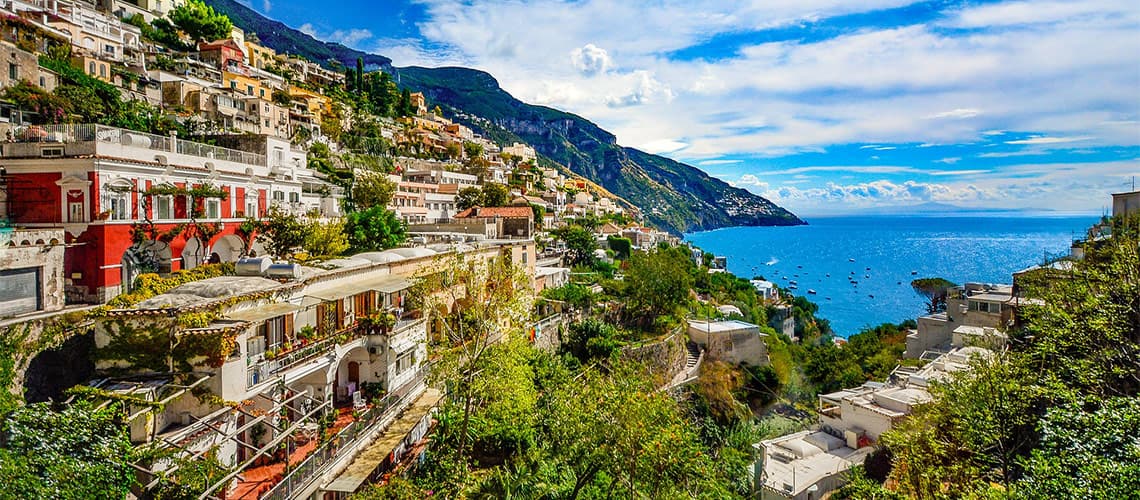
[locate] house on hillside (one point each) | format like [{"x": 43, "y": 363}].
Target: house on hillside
[
  {"x": 510, "y": 222},
  {"x": 731, "y": 341}
]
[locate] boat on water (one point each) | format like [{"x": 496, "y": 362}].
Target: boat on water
[
  {"x": 913, "y": 273},
  {"x": 829, "y": 298},
  {"x": 850, "y": 260},
  {"x": 828, "y": 275},
  {"x": 793, "y": 282},
  {"x": 810, "y": 291},
  {"x": 792, "y": 287},
  {"x": 872, "y": 296}
]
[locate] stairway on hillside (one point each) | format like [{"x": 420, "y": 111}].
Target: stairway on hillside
[{"x": 692, "y": 357}]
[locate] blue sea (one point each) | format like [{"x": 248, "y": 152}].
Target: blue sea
[{"x": 888, "y": 252}]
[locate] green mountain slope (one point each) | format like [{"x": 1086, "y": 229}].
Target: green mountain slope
[{"x": 674, "y": 196}]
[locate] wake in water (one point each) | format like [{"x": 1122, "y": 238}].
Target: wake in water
[{"x": 772, "y": 262}]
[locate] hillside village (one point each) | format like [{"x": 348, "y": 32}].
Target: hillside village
[{"x": 232, "y": 273}]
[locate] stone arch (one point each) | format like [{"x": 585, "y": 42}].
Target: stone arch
[
  {"x": 229, "y": 248},
  {"x": 141, "y": 258},
  {"x": 194, "y": 253}
]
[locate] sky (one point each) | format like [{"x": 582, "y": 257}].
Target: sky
[{"x": 822, "y": 106}]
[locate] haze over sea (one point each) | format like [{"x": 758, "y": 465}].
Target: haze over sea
[{"x": 974, "y": 248}]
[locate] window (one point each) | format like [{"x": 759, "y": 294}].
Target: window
[
  {"x": 295, "y": 197},
  {"x": 249, "y": 89},
  {"x": 163, "y": 207},
  {"x": 119, "y": 206},
  {"x": 405, "y": 361},
  {"x": 91, "y": 68},
  {"x": 233, "y": 84},
  {"x": 278, "y": 196},
  {"x": 263, "y": 95},
  {"x": 251, "y": 209},
  {"x": 103, "y": 70},
  {"x": 13, "y": 71},
  {"x": 43, "y": 82},
  {"x": 363, "y": 304},
  {"x": 110, "y": 49},
  {"x": 213, "y": 208},
  {"x": 75, "y": 212}
]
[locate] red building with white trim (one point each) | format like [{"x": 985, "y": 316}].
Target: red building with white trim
[{"x": 92, "y": 181}]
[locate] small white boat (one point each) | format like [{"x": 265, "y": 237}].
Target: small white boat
[
  {"x": 811, "y": 292},
  {"x": 850, "y": 260}
]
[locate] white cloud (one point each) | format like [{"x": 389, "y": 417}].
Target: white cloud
[
  {"x": 949, "y": 161},
  {"x": 591, "y": 60},
  {"x": 1052, "y": 68},
  {"x": 663, "y": 146},
  {"x": 707, "y": 163},
  {"x": 1049, "y": 140},
  {"x": 266, "y": 6},
  {"x": 348, "y": 38},
  {"x": 957, "y": 114}
]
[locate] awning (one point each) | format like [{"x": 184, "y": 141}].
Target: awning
[
  {"x": 383, "y": 284},
  {"x": 263, "y": 313}
]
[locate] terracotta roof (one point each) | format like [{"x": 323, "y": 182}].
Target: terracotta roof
[{"x": 492, "y": 212}]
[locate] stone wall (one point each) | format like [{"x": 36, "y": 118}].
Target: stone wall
[{"x": 665, "y": 358}]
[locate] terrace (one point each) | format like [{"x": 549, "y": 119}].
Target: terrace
[{"x": 37, "y": 141}]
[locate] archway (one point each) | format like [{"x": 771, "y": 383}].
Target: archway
[
  {"x": 229, "y": 248},
  {"x": 142, "y": 258},
  {"x": 193, "y": 254},
  {"x": 353, "y": 370}
]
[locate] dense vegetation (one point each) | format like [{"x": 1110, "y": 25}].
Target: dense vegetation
[{"x": 1054, "y": 416}]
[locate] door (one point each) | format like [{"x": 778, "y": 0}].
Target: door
[{"x": 354, "y": 373}]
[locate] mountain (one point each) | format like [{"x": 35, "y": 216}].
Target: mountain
[{"x": 674, "y": 196}]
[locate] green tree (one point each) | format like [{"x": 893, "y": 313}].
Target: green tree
[
  {"x": 371, "y": 189},
  {"x": 281, "y": 232},
  {"x": 200, "y": 22},
  {"x": 494, "y": 299},
  {"x": 78, "y": 452},
  {"x": 539, "y": 213},
  {"x": 472, "y": 149},
  {"x": 1082, "y": 328},
  {"x": 82, "y": 102},
  {"x": 622, "y": 247},
  {"x": 282, "y": 98},
  {"x": 1089, "y": 450},
  {"x": 326, "y": 239},
  {"x": 495, "y": 195},
  {"x": 48, "y": 108},
  {"x": 976, "y": 431},
  {"x": 374, "y": 229},
  {"x": 934, "y": 291},
  {"x": 591, "y": 339},
  {"x": 580, "y": 244},
  {"x": 469, "y": 197},
  {"x": 658, "y": 285},
  {"x": 404, "y": 104}
]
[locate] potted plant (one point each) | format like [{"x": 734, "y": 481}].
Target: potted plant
[
  {"x": 288, "y": 346},
  {"x": 270, "y": 354}
]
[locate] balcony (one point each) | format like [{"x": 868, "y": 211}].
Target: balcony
[
  {"x": 30, "y": 139},
  {"x": 348, "y": 441}
]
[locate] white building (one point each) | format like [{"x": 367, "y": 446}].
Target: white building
[{"x": 730, "y": 341}]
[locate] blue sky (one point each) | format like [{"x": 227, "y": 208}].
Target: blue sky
[{"x": 823, "y": 106}]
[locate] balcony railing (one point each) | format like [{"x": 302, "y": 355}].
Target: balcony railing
[
  {"x": 264, "y": 370},
  {"x": 344, "y": 442},
  {"x": 77, "y": 133}
]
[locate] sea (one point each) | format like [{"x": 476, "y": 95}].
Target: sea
[{"x": 884, "y": 253}]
